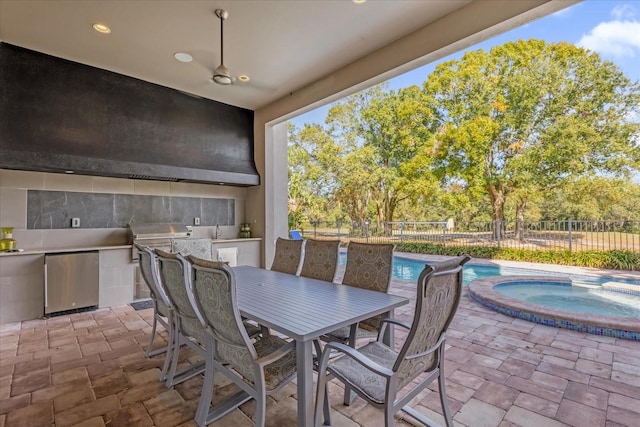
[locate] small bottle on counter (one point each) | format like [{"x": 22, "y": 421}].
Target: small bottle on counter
[{"x": 218, "y": 232}]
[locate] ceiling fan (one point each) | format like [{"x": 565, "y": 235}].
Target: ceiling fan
[{"x": 221, "y": 74}]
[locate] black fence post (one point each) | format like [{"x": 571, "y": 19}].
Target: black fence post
[{"x": 570, "y": 225}]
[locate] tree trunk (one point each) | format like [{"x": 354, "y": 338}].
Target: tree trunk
[
  {"x": 497, "y": 198},
  {"x": 520, "y": 220},
  {"x": 388, "y": 217}
]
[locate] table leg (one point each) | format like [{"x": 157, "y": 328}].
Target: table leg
[
  {"x": 388, "y": 336},
  {"x": 304, "y": 362}
]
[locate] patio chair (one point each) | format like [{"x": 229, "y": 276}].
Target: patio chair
[
  {"x": 162, "y": 310},
  {"x": 174, "y": 273},
  {"x": 258, "y": 368},
  {"x": 369, "y": 266},
  {"x": 288, "y": 255},
  {"x": 378, "y": 373},
  {"x": 320, "y": 259}
]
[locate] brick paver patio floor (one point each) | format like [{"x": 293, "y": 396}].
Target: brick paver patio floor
[{"x": 89, "y": 369}]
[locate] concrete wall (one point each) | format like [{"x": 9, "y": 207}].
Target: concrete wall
[{"x": 13, "y": 206}]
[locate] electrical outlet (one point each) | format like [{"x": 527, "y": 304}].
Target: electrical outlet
[
  {"x": 196, "y": 221},
  {"x": 75, "y": 222}
]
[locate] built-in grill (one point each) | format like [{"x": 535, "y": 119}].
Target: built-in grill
[{"x": 156, "y": 236}]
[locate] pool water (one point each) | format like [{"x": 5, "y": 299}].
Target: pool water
[
  {"x": 587, "y": 297},
  {"x": 409, "y": 269},
  {"x": 573, "y": 298}
]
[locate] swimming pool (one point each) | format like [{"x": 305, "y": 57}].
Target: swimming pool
[
  {"x": 564, "y": 296},
  {"x": 557, "y": 303},
  {"x": 409, "y": 269},
  {"x": 581, "y": 304}
]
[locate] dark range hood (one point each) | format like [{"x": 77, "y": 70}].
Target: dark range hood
[{"x": 58, "y": 116}]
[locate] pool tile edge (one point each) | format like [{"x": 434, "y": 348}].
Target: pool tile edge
[{"x": 481, "y": 291}]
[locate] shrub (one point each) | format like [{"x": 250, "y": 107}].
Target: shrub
[{"x": 614, "y": 260}]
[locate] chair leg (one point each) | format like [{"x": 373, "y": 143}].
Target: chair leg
[
  {"x": 388, "y": 416},
  {"x": 320, "y": 398},
  {"x": 174, "y": 359},
  {"x": 207, "y": 393},
  {"x": 261, "y": 409},
  {"x": 348, "y": 395},
  {"x": 170, "y": 346},
  {"x": 322, "y": 393},
  {"x": 326, "y": 406},
  {"x": 443, "y": 399},
  {"x": 153, "y": 333}
]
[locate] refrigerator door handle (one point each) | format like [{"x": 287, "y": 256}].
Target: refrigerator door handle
[{"x": 46, "y": 287}]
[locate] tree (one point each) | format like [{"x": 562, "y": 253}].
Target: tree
[
  {"x": 383, "y": 132},
  {"x": 527, "y": 115},
  {"x": 594, "y": 198},
  {"x": 308, "y": 190}
]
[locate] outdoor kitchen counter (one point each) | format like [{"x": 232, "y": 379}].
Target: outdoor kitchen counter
[
  {"x": 22, "y": 279},
  {"x": 40, "y": 251},
  {"x": 22, "y": 275}
]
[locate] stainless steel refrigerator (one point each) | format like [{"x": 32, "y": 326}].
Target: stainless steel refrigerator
[{"x": 70, "y": 281}]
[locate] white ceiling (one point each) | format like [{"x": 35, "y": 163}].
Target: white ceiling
[{"x": 282, "y": 45}]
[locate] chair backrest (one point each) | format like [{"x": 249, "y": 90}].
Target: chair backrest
[
  {"x": 439, "y": 290},
  {"x": 320, "y": 259},
  {"x": 147, "y": 261},
  {"x": 197, "y": 247},
  {"x": 288, "y": 255},
  {"x": 369, "y": 266},
  {"x": 213, "y": 286},
  {"x": 174, "y": 273}
]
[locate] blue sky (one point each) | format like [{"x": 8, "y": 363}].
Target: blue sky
[{"x": 611, "y": 28}]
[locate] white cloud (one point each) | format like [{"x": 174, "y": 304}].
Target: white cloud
[
  {"x": 623, "y": 11},
  {"x": 614, "y": 38}
]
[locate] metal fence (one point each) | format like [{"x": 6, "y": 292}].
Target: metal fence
[{"x": 569, "y": 235}]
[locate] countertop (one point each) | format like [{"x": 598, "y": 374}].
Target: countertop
[{"x": 40, "y": 251}]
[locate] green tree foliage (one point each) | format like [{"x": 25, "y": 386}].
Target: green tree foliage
[
  {"x": 383, "y": 133},
  {"x": 527, "y": 115},
  {"x": 594, "y": 198},
  {"x": 309, "y": 192},
  {"x": 528, "y": 130}
]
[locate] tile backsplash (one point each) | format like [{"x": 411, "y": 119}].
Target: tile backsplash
[{"x": 47, "y": 210}]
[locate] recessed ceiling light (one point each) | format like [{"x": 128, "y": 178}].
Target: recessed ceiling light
[
  {"x": 244, "y": 78},
  {"x": 183, "y": 57},
  {"x": 102, "y": 28},
  {"x": 359, "y": 1}
]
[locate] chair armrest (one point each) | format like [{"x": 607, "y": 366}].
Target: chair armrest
[
  {"x": 357, "y": 356},
  {"x": 383, "y": 326},
  {"x": 397, "y": 322},
  {"x": 279, "y": 353},
  {"x": 431, "y": 349}
]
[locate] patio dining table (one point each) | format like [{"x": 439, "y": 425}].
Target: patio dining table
[{"x": 304, "y": 309}]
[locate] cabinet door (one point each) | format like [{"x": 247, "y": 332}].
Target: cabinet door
[
  {"x": 21, "y": 287},
  {"x": 71, "y": 281}
]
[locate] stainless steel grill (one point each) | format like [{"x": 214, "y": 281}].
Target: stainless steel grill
[{"x": 155, "y": 236}]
